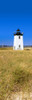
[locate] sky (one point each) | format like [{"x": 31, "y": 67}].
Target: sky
[{"x": 15, "y": 14}]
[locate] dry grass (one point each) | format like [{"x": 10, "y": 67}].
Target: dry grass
[{"x": 15, "y": 71}]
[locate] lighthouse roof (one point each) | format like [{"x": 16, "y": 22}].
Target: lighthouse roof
[{"x": 18, "y": 32}]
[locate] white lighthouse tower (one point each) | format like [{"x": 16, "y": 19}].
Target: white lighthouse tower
[{"x": 18, "y": 41}]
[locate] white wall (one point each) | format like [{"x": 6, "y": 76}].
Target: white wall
[{"x": 18, "y": 42}]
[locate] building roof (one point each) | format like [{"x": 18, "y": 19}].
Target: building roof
[{"x": 18, "y": 32}]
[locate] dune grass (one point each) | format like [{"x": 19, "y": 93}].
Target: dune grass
[{"x": 15, "y": 71}]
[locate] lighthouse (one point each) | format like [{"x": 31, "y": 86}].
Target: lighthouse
[{"x": 18, "y": 40}]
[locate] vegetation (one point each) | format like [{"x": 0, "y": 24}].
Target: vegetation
[{"x": 15, "y": 71}]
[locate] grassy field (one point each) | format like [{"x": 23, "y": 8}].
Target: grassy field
[{"x": 15, "y": 71}]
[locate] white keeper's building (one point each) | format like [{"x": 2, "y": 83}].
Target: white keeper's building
[{"x": 18, "y": 41}]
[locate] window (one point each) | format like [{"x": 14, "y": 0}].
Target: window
[
  {"x": 19, "y": 46},
  {"x": 19, "y": 37}
]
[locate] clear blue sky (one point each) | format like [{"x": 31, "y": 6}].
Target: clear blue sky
[{"x": 15, "y": 14}]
